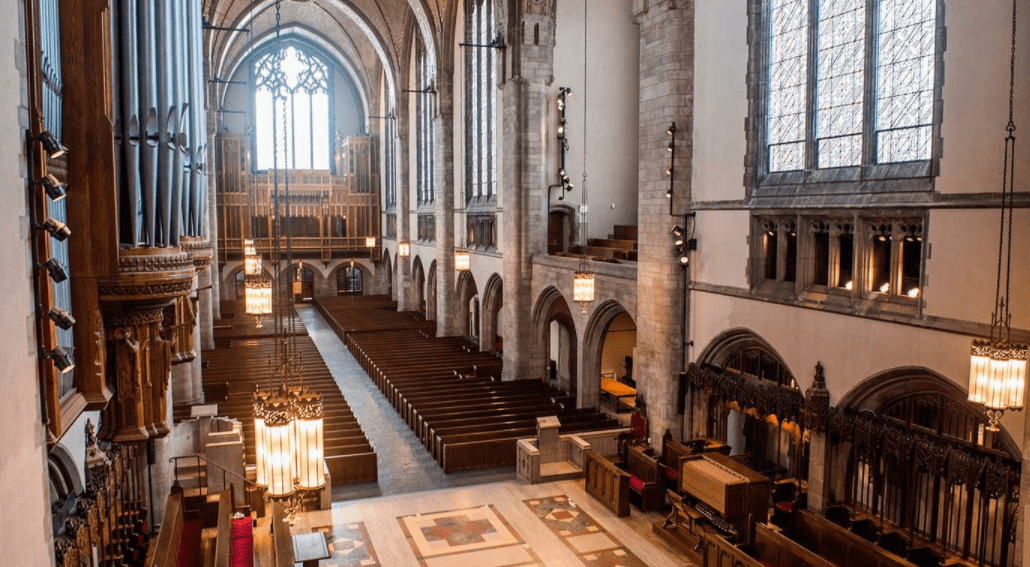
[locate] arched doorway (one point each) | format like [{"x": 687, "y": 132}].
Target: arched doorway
[
  {"x": 418, "y": 280},
  {"x": 387, "y": 281},
  {"x": 468, "y": 306},
  {"x": 431, "y": 293},
  {"x": 771, "y": 444},
  {"x": 559, "y": 341},
  {"x": 350, "y": 280},
  {"x": 560, "y": 228},
  {"x": 492, "y": 339},
  {"x": 302, "y": 284},
  {"x": 609, "y": 347},
  {"x": 240, "y": 287}
]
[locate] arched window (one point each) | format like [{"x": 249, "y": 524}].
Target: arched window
[
  {"x": 867, "y": 105},
  {"x": 298, "y": 82},
  {"x": 480, "y": 102},
  {"x": 424, "y": 132}
]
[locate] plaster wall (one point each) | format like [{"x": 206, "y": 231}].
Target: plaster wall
[
  {"x": 611, "y": 98},
  {"x": 24, "y": 501}
]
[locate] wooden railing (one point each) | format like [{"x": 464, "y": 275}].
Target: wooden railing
[
  {"x": 223, "y": 542},
  {"x": 608, "y": 483},
  {"x": 165, "y": 547},
  {"x": 282, "y": 541}
]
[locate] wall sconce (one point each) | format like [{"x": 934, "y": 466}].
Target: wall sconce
[
  {"x": 56, "y": 228},
  {"x": 54, "y": 188},
  {"x": 61, "y": 318},
  {"x": 51, "y": 145},
  {"x": 563, "y": 177},
  {"x": 62, "y": 360},
  {"x": 57, "y": 271},
  {"x": 404, "y": 249}
]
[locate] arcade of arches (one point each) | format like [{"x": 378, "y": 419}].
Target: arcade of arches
[{"x": 620, "y": 282}]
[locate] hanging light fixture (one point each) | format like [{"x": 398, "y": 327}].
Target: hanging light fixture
[
  {"x": 462, "y": 259},
  {"x": 370, "y": 242},
  {"x": 288, "y": 422},
  {"x": 997, "y": 366},
  {"x": 583, "y": 286},
  {"x": 404, "y": 249},
  {"x": 258, "y": 297}
]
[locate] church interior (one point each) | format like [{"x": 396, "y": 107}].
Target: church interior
[{"x": 342, "y": 283}]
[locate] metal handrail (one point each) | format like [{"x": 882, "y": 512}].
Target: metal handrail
[{"x": 216, "y": 465}]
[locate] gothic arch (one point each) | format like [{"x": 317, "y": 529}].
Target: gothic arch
[
  {"x": 550, "y": 307},
  {"x": 593, "y": 346},
  {"x": 333, "y": 278},
  {"x": 467, "y": 290},
  {"x": 493, "y": 300},
  {"x": 884, "y": 389},
  {"x": 387, "y": 278},
  {"x": 418, "y": 283},
  {"x": 736, "y": 341},
  {"x": 431, "y": 292},
  {"x": 65, "y": 477}
]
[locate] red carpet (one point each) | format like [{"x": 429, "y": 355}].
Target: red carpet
[
  {"x": 242, "y": 543},
  {"x": 189, "y": 545}
]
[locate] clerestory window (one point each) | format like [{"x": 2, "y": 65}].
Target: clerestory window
[
  {"x": 424, "y": 132},
  {"x": 480, "y": 102},
  {"x": 849, "y": 83},
  {"x": 296, "y": 135}
]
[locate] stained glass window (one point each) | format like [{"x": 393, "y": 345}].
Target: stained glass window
[
  {"x": 788, "y": 74},
  {"x": 905, "y": 61},
  {"x": 426, "y": 189},
  {"x": 480, "y": 102},
  {"x": 841, "y": 82},
  {"x": 298, "y": 83}
]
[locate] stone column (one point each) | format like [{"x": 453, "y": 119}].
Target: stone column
[
  {"x": 527, "y": 134},
  {"x": 666, "y": 96},
  {"x": 443, "y": 146},
  {"x": 402, "y": 277}
]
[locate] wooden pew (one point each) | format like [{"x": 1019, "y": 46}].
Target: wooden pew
[
  {"x": 839, "y": 546},
  {"x": 608, "y": 483},
  {"x": 164, "y": 548},
  {"x": 645, "y": 479}
]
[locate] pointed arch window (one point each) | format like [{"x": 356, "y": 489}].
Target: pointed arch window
[
  {"x": 480, "y": 103},
  {"x": 424, "y": 131},
  {"x": 298, "y": 84}
]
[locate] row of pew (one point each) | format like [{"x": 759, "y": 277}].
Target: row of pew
[
  {"x": 449, "y": 393},
  {"x": 234, "y": 372}
]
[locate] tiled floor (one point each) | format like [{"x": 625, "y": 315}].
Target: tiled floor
[
  {"x": 404, "y": 464},
  {"x": 489, "y": 525}
]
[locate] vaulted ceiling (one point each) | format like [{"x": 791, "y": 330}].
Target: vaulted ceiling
[{"x": 369, "y": 35}]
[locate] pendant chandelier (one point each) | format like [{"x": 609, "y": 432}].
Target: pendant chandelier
[
  {"x": 583, "y": 286},
  {"x": 462, "y": 259},
  {"x": 997, "y": 366},
  {"x": 404, "y": 249},
  {"x": 370, "y": 242},
  {"x": 288, "y": 419},
  {"x": 257, "y": 289}
]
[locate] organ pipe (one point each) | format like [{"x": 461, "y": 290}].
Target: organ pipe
[{"x": 160, "y": 124}]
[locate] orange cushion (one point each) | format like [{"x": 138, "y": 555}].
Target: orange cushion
[
  {"x": 636, "y": 484},
  {"x": 785, "y": 506}
]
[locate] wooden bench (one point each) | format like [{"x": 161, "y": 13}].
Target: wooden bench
[
  {"x": 223, "y": 540},
  {"x": 839, "y": 546},
  {"x": 608, "y": 483},
  {"x": 164, "y": 548},
  {"x": 645, "y": 476}
]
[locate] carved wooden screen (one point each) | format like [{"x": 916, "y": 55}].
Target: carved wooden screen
[{"x": 914, "y": 467}]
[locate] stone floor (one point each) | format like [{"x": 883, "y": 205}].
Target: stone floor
[
  {"x": 404, "y": 464},
  {"x": 491, "y": 525}
]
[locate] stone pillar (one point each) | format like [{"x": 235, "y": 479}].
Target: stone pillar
[
  {"x": 443, "y": 146},
  {"x": 402, "y": 277},
  {"x": 817, "y": 411},
  {"x": 207, "y": 308},
  {"x": 527, "y": 134},
  {"x": 666, "y": 96}
]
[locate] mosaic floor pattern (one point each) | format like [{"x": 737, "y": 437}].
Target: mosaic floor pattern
[
  {"x": 349, "y": 545},
  {"x": 594, "y": 546},
  {"x": 472, "y": 536}
]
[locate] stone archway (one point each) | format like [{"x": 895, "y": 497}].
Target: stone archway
[
  {"x": 431, "y": 293},
  {"x": 418, "y": 284},
  {"x": 350, "y": 279},
  {"x": 490, "y": 339},
  {"x": 601, "y": 353},
  {"x": 467, "y": 291},
  {"x": 558, "y": 340}
]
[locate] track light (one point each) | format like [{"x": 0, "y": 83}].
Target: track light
[
  {"x": 668, "y": 171},
  {"x": 57, "y": 271},
  {"x": 677, "y": 231},
  {"x": 62, "y": 360},
  {"x": 54, "y": 188},
  {"x": 51, "y": 145},
  {"x": 61, "y": 318},
  {"x": 56, "y": 228},
  {"x": 668, "y": 194},
  {"x": 671, "y": 147},
  {"x": 684, "y": 260}
]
